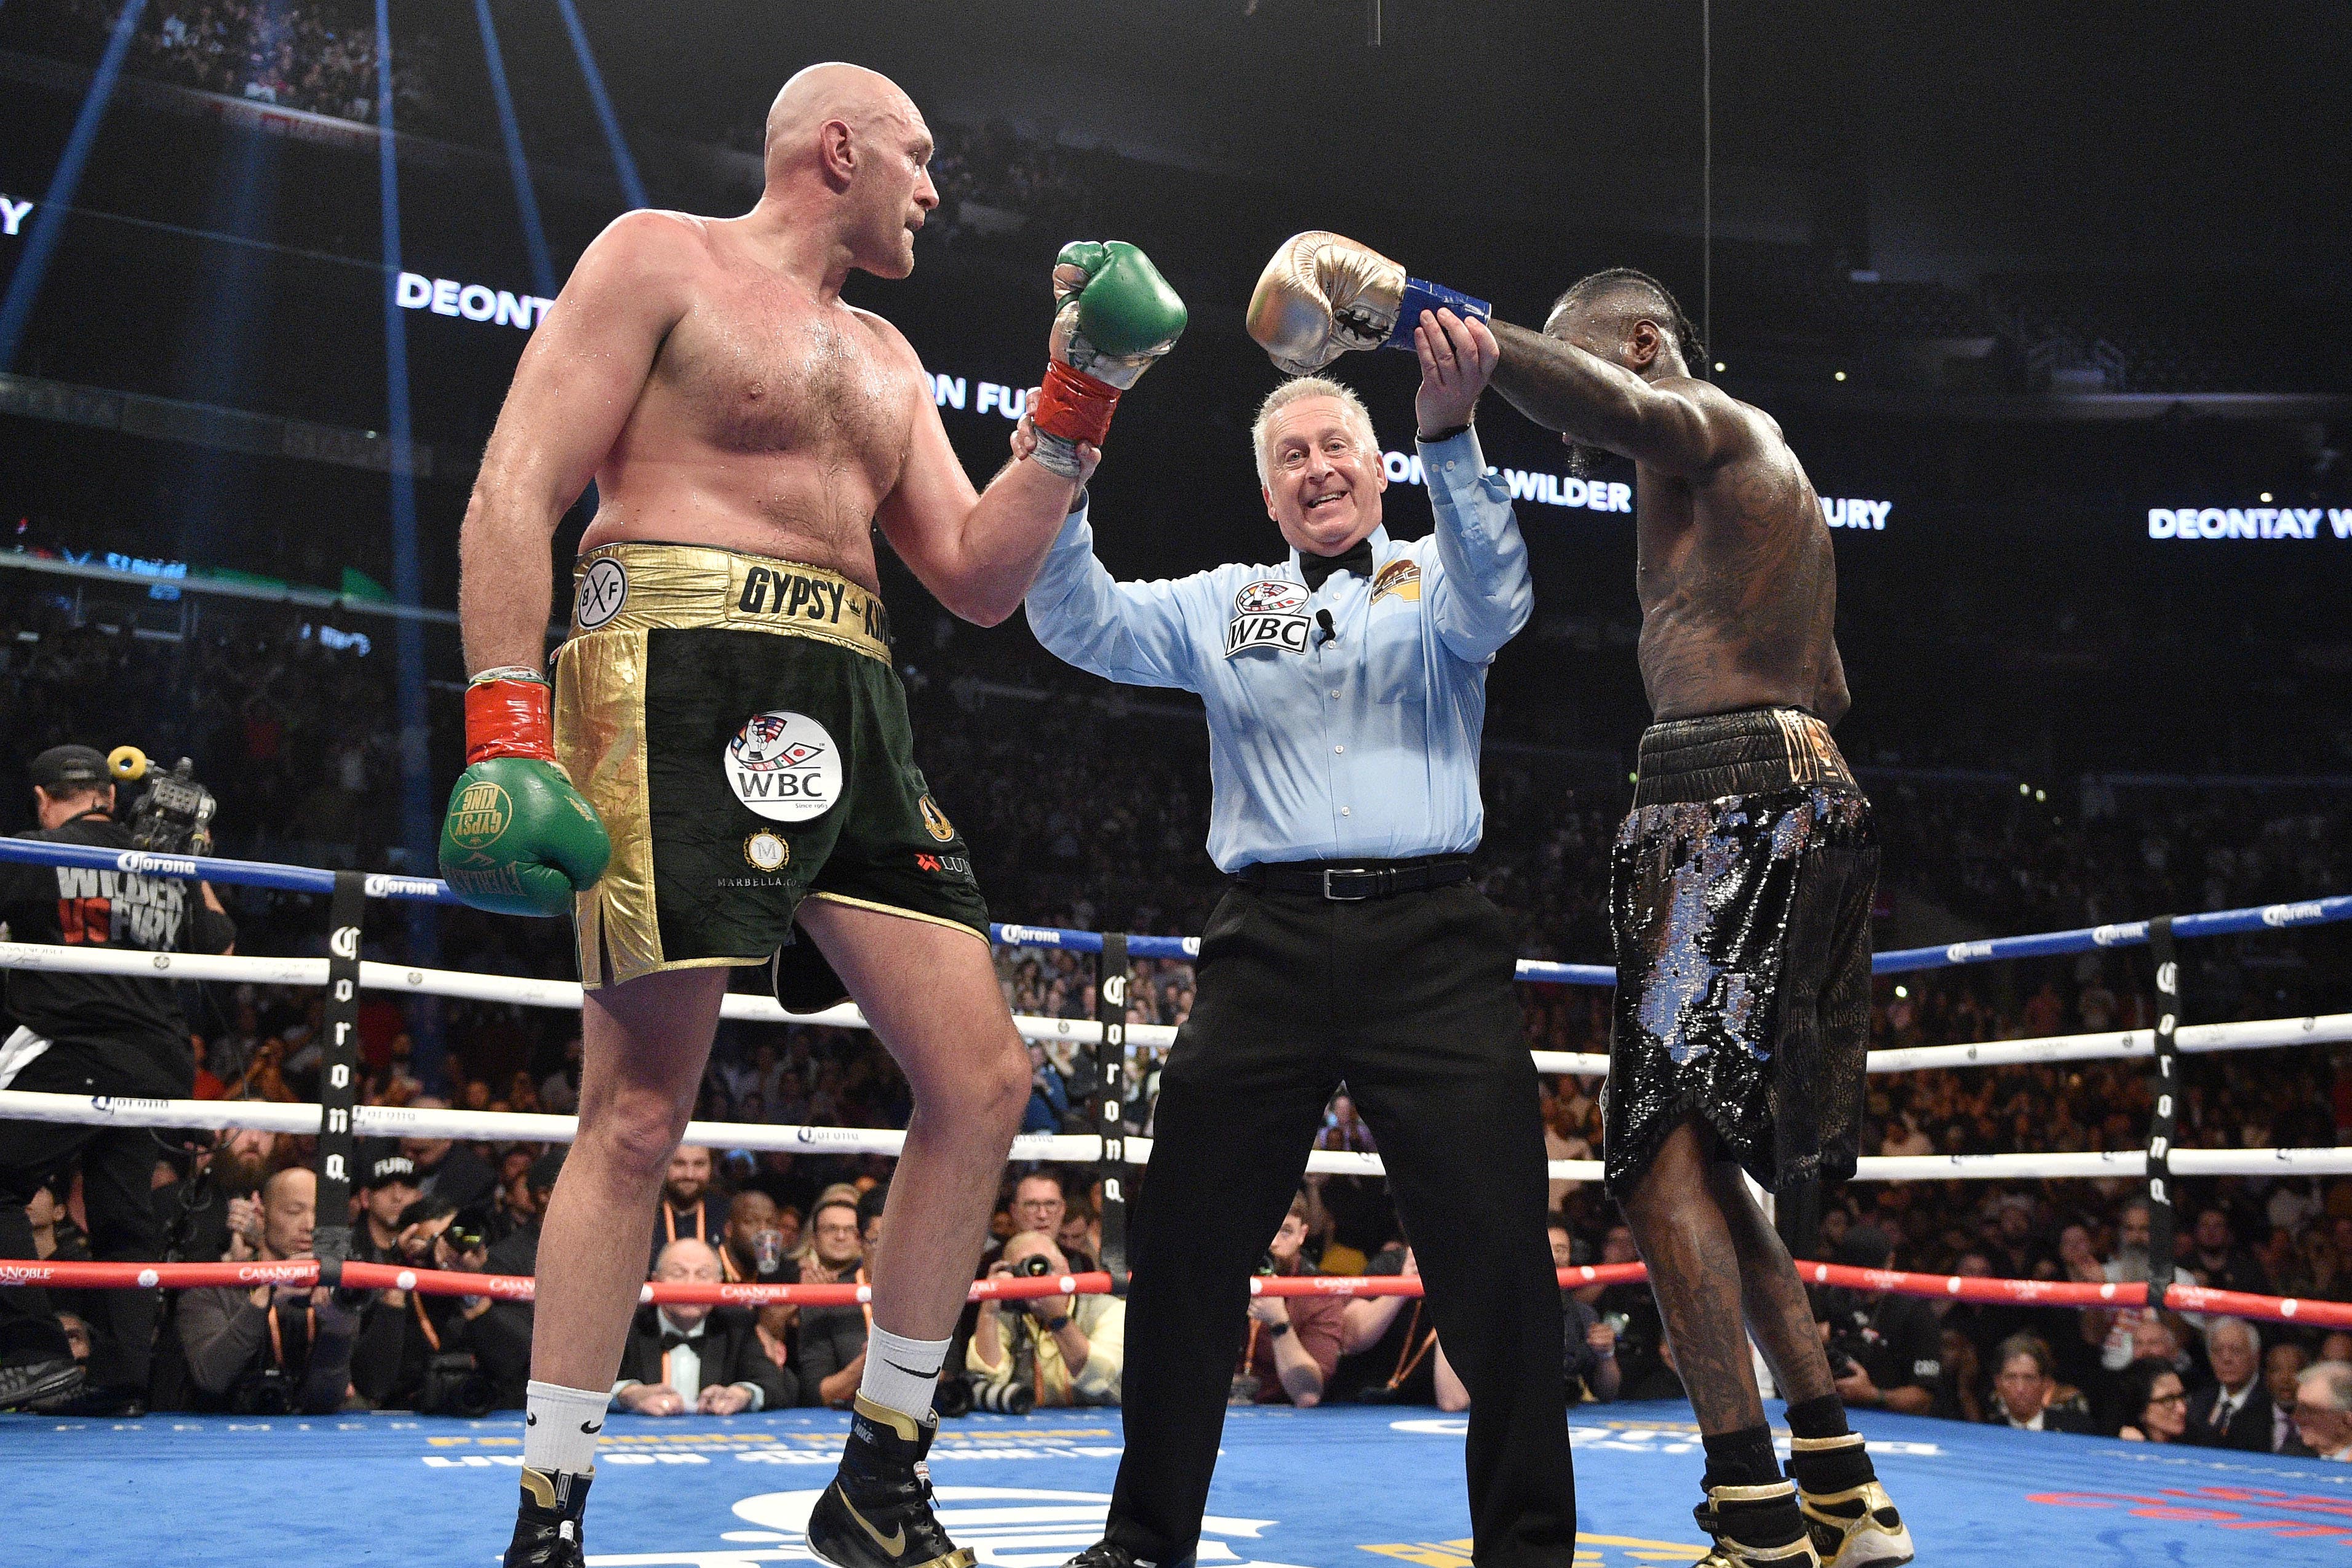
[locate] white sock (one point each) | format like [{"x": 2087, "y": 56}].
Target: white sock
[
  {"x": 559, "y": 1426},
  {"x": 902, "y": 1373}
]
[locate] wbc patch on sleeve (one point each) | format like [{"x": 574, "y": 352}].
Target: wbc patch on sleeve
[
  {"x": 1268, "y": 613},
  {"x": 1401, "y": 577}
]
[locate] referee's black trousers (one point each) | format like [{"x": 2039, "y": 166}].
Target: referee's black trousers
[{"x": 1409, "y": 1000}]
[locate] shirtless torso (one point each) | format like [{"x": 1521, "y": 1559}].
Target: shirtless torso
[
  {"x": 706, "y": 375},
  {"x": 1734, "y": 574},
  {"x": 1737, "y": 582},
  {"x": 769, "y": 422}
]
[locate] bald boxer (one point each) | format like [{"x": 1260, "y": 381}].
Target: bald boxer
[
  {"x": 721, "y": 772},
  {"x": 1740, "y": 882}
]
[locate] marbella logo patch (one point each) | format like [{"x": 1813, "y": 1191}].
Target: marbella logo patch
[
  {"x": 603, "y": 589},
  {"x": 935, "y": 821},
  {"x": 785, "y": 766},
  {"x": 1401, "y": 577},
  {"x": 766, "y": 851},
  {"x": 1268, "y": 613}
]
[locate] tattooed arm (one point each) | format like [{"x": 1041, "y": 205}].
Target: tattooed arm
[{"x": 1677, "y": 426}]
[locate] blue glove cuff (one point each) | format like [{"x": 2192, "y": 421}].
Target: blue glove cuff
[{"x": 1420, "y": 295}]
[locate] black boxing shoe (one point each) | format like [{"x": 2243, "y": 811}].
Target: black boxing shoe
[
  {"x": 1756, "y": 1527},
  {"x": 547, "y": 1525},
  {"x": 878, "y": 1512},
  {"x": 1104, "y": 1555},
  {"x": 23, "y": 1383},
  {"x": 91, "y": 1399}
]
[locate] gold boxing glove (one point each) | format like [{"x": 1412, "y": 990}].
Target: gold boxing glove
[{"x": 1324, "y": 295}]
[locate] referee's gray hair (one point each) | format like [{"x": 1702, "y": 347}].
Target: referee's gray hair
[
  {"x": 1299, "y": 387},
  {"x": 2254, "y": 1335}
]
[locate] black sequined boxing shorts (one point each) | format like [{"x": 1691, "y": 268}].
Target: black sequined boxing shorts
[{"x": 1740, "y": 893}]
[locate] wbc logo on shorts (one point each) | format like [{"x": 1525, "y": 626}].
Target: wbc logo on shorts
[{"x": 785, "y": 766}]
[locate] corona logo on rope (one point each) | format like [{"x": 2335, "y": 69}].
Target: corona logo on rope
[
  {"x": 345, "y": 941},
  {"x": 162, "y": 865},
  {"x": 2291, "y": 914},
  {"x": 379, "y": 886},
  {"x": 482, "y": 814}
]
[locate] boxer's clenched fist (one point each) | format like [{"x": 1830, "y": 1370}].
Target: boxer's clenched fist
[{"x": 1324, "y": 295}]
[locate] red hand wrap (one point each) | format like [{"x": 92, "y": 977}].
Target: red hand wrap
[
  {"x": 1074, "y": 405},
  {"x": 510, "y": 718}
]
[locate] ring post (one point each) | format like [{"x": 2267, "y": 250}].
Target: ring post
[
  {"x": 1111, "y": 982},
  {"x": 338, "y": 1076},
  {"x": 2163, "y": 1222}
]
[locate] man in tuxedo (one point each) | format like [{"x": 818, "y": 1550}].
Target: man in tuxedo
[
  {"x": 2232, "y": 1410},
  {"x": 683, "y": 1357},
  {"x": 2283, "y": 1368}
]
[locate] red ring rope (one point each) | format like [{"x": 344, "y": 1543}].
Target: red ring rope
[{"x": 1005, "y": 1287}]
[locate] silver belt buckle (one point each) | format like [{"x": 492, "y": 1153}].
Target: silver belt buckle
[{"x": 1330, "y": 871}]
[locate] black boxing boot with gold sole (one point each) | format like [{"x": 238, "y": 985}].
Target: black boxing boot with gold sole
[
  {"x": 1754, "y": 1527},
  {"x": 547, "y": 1527},
  {"x": 878, "y": 1512},
  {"x": 1853, "y": 1523}
]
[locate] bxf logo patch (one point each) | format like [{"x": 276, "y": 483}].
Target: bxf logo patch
[
  {"x": 1268, "y": 613},
  {"x": 603, "y": 589}
]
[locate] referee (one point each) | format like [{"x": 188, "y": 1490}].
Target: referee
[{"x": 1346, "y": 690}]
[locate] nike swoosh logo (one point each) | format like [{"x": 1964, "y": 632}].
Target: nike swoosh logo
[
  {"x": 910, "y": 1371},
  {"x": 592, "y": 1427},
  {"x": 895, "y": 1544},
  {"x": 530, "y": 1420}
]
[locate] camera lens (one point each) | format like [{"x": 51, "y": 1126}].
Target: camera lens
[{"x": 1035, "y": 1265}]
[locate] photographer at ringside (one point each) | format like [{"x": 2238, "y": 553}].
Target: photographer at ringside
[
  {"x": 273, "y": 1350},
  {"x": 421, "y": 1352},
  {"x": 87, "y": 1034},
  {"x": 1057, "y": 1350}
]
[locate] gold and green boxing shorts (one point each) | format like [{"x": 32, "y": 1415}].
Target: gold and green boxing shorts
[{"x": 736, "y": 721}]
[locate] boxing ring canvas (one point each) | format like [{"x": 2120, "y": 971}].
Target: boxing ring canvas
[{"x": 1347, "y": 1486}]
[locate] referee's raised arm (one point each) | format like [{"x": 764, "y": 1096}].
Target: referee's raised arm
[{"x": 1484, "y": 594}]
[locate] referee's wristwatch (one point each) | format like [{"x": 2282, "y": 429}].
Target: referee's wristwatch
[
  {"x": 1056, "y": 1325},
  {"x": 1275, "y": 1330}
]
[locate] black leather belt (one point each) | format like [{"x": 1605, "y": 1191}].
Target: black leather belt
[{"x": 1351, "y": 882}]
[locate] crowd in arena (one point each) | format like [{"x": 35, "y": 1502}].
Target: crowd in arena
[
  {"x": 1098, "y": 827},
  {"x": 318, "y": 55}
]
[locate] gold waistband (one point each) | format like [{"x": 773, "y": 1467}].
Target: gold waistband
[{"x": 645, "y": 587}]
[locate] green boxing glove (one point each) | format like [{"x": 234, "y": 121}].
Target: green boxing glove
[
  {"x": 1114, "y": 315},
  {"x": 517, "y": 839}
]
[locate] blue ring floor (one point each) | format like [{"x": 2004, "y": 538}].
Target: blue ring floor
[{"x": 1347, "y": 1487}]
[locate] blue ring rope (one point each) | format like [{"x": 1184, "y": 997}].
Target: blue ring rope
[{"x": 2042, "y": 945}]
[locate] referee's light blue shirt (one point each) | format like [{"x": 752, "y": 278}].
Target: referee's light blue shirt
[{"x": 1362, "y": 746}]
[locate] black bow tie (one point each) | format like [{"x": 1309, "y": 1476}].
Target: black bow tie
[
  {"x": 1357, "y": 558},
  {"x": 674, "y": 1339}
]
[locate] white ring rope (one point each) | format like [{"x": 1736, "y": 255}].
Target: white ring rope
[
  {"x": 559, "y": 994},
  {"x": 401, "y": 1121},
  {"x": 2259, "y": 1034}
]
